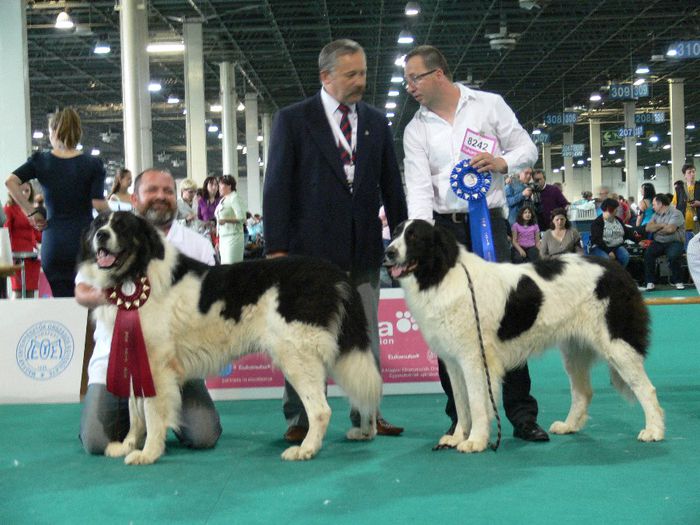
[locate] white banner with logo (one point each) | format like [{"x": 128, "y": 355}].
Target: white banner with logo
[{"x": 42, "y": 352}]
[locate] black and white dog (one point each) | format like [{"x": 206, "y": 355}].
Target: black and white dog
[
  {"x": 590, "y": 307},
  {"x": 303, "y": 312}
]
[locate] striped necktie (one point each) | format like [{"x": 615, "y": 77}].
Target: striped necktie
[{"x": 346, "y": 130}]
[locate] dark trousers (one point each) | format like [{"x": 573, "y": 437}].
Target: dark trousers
[
  {"x": 519, "y": 405},
  {"x": 673, "y": 250}
]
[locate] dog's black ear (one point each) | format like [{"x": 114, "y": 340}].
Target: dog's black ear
[{"x": 445, "y": 243}]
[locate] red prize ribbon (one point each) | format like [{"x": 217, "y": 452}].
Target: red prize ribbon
[{"x": 128, "y": 359}]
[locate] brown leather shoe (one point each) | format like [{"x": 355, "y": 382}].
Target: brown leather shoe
[
  {"x": 295, "y": 434},
  {"x": 384, "y": 428}
]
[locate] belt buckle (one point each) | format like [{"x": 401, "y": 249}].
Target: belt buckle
[{"x": 455, "y": 218}]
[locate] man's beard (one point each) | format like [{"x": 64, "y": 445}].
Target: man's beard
[{"x": 159, "y": 218}]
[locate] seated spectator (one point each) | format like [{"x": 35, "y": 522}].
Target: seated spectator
[
  {"x": 561, "y": 238},
  {"x": 667, "y": 227},
  {"x": 608, "y": 234},
  {"x": 526, "y": 237}
]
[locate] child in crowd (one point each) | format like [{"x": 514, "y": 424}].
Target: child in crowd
[{"x": 526, "y": 237}]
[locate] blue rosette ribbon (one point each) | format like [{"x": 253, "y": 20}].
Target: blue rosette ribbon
[{"x": 468, "y": 184}]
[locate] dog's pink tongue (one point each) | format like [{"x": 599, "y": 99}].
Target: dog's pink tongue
[
  {"x": 105, "y": 260},
  {"x": 396, "y": 271}
]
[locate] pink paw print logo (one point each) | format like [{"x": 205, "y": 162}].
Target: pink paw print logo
[{"x": 405, "y": 322}]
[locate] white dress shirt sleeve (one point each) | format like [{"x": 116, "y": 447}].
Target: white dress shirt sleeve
[
  {"x": 419, "y": 186},
  {"x": 519, "y": 151}
]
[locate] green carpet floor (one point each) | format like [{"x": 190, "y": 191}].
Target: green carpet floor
[{"x": 600, "y": 476}]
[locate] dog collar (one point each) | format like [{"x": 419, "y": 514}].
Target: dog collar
[{"x": 130, "y": 295}]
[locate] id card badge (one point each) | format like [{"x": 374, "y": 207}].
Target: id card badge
[{"x": 475, "y": 143}]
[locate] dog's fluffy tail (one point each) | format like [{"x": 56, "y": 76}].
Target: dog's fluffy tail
[{"x": 357, "y": 374}]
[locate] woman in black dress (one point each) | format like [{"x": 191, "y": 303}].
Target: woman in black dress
[{"x": 72, "y": 184}]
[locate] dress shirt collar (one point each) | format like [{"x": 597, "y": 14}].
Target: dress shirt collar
[
  {"x": 330, "y": 104},
  {"x": 465, "y": 94}
]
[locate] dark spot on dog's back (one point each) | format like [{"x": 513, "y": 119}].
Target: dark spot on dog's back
[
  {"x": 522, "y": 308},
  {"x": 626, "y": 317},
  {"x": 549, "y": 268}
]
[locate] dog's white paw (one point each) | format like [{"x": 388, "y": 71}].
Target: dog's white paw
[
  {"x": 117, "y": 449},
  {"x": 651, "y": 434},
  {"x": 356, "y": 434},
  {"x": 138, "y": 457},
  {"x": 561, "y": 427},
  {"x": 298, "y": 453},
  {"x": 473, "y": 445},
  {"x": 450, "y": 441}
]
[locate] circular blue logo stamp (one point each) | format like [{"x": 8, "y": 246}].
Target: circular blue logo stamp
[{"x": 45, "y": 350}]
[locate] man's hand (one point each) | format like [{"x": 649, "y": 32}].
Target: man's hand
[
  {"x": 527, "y": 193},
  {"x": 484, "y": 162}
]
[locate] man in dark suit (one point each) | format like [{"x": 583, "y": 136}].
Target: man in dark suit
[{"x": 331, "y": 165}]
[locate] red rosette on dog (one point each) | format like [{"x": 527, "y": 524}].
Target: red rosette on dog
[{"x": 128, "y": 359}]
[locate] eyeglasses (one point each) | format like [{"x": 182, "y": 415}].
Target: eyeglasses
[{"x": 415, "y": 79}]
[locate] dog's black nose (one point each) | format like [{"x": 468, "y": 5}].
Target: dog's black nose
[{"x": 102, "y": 236}]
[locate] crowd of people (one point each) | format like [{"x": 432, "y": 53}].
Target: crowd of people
[{"x": 331, "y": 166}]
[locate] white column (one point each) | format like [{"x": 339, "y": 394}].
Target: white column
[
  {"x": 227, "y": 94},
  {"x": 195, "y": 104},
  {"x": 677, "y": 99},
  {"x": 547, "y": 160},
  {"x": 15, "y": 124},
  {"x": 596, "y": 164},
  {"x": 568, "y": 161},
  {"x": 252, "y": 145},
  {"x": 631, "y": 183},
  {"x": 138, "y": 139},
  {"x": 266, "y": 127}
]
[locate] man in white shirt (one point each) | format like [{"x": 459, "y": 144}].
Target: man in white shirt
[
  {"x": 451, "y": 118},
  {"x": 105, "y": 417}
]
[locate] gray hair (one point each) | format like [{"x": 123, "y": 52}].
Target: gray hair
[{"x": 328, "y": 57}]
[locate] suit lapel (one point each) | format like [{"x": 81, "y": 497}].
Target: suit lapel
[{"x": 322, "y": 135}]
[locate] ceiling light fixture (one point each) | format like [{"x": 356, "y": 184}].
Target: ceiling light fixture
[
  {"x": 165, "y": 47},
  {"x": 390, "y": 105},
  {"x": 393, "y": 93},
  {"x": 241, "y": 106},
  {"x": 38, "y": 134},
  {"x": 173, "y": 99},
  {"x": 639, "y": 81},
  {"x": 102, "y": 47},
  {"x": 216, "y": 108},
  {"x": 154, "y": 86},
  {"x": 690, "y": 125},
  {"x": 595, "y": 97},
  {"x": 64, "y": 21},
  {"x": 672, "y": 52},
  {"x": 396, "y": 79},
  {"x": 642, "y": 69},
  {"x": 405, "y": 37},
  {"x": 537, "y": 131},
  {"x": 412, "y": 9},
  {"x": 390, "y": 114},
  {"x": 400, "y": 61},
  {"x": 213, "y": 128}
]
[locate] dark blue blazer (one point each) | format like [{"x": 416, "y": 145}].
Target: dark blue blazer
[{"x": 307, "y": 206}]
